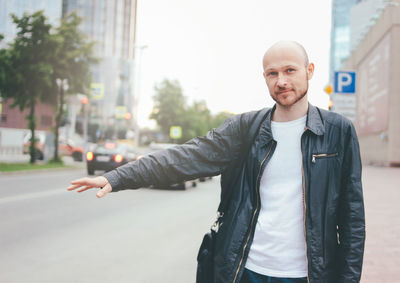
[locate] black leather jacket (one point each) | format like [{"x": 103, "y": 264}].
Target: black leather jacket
[{"x": 333, "y": 201}]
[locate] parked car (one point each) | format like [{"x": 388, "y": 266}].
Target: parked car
[
  {"x": 65, "y": 147},
  {"x": 69, "y": 148},
  {"x": 108, "y": 156},
  {"x": 40, "y": 141}
]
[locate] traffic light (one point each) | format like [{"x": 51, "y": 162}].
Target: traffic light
[
  {"x": 330, "y": 105},
  {"x": 328, "y": 89},
  {"x": 128, "y": 116},
  {"x": 84, "y": 100}
]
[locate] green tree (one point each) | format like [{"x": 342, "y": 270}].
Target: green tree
[
  {"x": 27, "y": 71},
  {"x": 196, "y": 121},
  {"x": 220, "y": 117},
  {"x": 3, "y": 62},
  {"x": 71, "y": 63},
  {"x": 169, "y": 105},
  {"x": 170, "y": 109}
]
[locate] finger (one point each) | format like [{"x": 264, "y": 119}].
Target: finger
[
  {"x": 71, "y": 188},
  {"x": 84, "y": 189},
  {"x": 105, "y": 190},
  {"x": 80, "y": 181}
]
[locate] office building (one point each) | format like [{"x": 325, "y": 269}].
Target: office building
[
  {"x": 363, "y": 16},
  {"x": 376, "y": 61},
  {"x": 340, "y": 34},
  {"x": 111, "y": 24},
  {"x": 351, "y": 21}
]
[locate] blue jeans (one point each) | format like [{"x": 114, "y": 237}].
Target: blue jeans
[{"x": 253, "y": 277}]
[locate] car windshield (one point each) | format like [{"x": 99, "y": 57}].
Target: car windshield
[{"x": 109, "y": 148}]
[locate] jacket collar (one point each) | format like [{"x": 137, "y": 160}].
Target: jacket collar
[
  {"x": 314, "y": 120},
  {"x": 314, "y": 123}
]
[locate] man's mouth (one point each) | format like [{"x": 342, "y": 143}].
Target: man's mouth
[{"x": 283, "y": 91}]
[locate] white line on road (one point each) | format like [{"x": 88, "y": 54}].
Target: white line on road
[{"x": 57, "y": 191}]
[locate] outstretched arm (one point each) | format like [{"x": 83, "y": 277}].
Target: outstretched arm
[{"x": 199, "y": 157}]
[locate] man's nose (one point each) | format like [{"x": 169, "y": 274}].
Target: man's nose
[{"x": 282, "y": 82}]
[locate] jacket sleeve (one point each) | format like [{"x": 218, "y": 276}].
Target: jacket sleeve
[
  {"x": 351, "y": 220},
  {"x": 199, "y": 157}
]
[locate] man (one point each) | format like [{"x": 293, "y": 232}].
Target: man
[{"x": 296, "y": 210}]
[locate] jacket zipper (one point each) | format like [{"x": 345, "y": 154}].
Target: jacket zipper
[
  {"x": 304, "y": 200},
  {"x": 254, "y": 213},
  {"x": 314, "y": 156}
]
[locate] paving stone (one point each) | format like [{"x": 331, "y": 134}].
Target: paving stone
[{"x": 382, "y": 212}]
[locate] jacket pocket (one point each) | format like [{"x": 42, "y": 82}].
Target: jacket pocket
[{"x": 323, "y": 155}]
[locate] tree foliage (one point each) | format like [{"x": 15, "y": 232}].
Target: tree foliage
[
  {"x": 196, "y": 122},
  {"x": 72, "y": 60},
  {"x": 220, "y": 117},
  {"x": 73, "y": 57},
  {"x": 38, "y": 57},
  {"x": 26, "y": 69},
  {"x": 169, "y": 105},
  {"x": 170, "y": 109},
  {"x": 3, "y": 63}
]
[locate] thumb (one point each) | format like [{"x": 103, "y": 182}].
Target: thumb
[{"x": 105, "y": 190}]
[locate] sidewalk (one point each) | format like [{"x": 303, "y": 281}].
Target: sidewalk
[
  {"x": 14, "y": 158},
  {"x": 382, "y": 208}
]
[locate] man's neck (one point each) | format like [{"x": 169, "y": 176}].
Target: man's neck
[{"x": 286, "y": 114}]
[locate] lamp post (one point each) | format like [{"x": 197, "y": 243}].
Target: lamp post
[
  {"x": 137, "y": 91},
  {"x": 84, "y": 102},
  {"x": 62, "y": 87}
]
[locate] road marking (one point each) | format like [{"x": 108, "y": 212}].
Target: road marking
[{"x": 32, "y": 195}]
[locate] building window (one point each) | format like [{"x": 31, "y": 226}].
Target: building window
[{"x": 3, "y": 118}]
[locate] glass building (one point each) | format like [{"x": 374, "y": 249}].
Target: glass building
[
  {"x": 363, "y": 17},
  {"x": 340, "y": 33},
  {"x": 351, "y": 20},
  {"x": 111, "y": 24}
]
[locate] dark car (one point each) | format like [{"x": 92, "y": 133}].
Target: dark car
[{"x": 108, "y": 156}]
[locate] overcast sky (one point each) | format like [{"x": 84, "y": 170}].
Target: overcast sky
[{"x": 214, "y": 48}]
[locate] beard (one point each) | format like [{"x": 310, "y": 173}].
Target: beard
[{"x": 284, "y": 102}]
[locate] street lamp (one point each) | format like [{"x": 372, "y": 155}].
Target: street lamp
[
  {"x": 62, "y": 83},
  {"x": 137, "y": 90},
  {"x": 85, "y": 110},
  {"x": 62, "y": 87}
]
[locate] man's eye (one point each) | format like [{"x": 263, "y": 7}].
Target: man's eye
[
  {"x": 290, "y": 70},
  {"x": 272, "y": 73}
]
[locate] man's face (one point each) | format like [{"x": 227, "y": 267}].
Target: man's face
[{"x": 287, "y": 75}]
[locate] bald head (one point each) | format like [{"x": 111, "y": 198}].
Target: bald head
[
  {"x": 282, "y": 48},
  {"x": 287, "y": 72}
]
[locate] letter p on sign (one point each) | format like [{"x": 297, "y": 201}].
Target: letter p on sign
[{"x": 345, "y": 82}]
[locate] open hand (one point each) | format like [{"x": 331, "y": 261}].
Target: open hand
[{"x": 86, "y": 183}]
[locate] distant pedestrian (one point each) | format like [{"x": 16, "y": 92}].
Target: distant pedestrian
[{"x": 295, "y": 209}]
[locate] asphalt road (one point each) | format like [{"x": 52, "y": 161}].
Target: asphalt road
[{"x": 48, "y": 234}]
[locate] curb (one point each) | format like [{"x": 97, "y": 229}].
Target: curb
[{"x": 31, "y": 171}]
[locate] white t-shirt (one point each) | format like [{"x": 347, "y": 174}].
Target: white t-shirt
[{"x": 279, "y": 247}]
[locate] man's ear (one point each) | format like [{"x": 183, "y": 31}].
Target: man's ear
[
  {"x": 264, "y": 75},
  {"x": 310, "y": 71}
]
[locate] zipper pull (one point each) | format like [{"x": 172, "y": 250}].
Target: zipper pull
[{"x": 313, "y": 159}]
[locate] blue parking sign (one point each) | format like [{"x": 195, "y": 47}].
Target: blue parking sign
[{"x": 345, "y": 82}]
